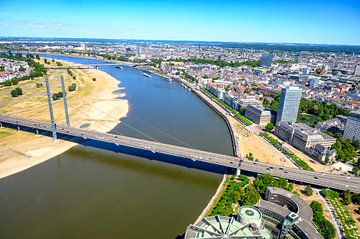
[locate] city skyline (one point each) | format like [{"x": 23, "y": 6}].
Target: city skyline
[{"x": 317, "y": 22}]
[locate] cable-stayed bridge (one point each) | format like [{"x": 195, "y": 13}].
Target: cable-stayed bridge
[{"x": 181, "y": 155}]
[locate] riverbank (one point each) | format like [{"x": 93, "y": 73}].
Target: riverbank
[
  {"x": 95, "y": 105},
  {"x": 244, "y": 140}
]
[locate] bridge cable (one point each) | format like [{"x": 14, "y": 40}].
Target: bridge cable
[
  {"x": 147, "y": 124},
  {"x": 113, "y": 129}
]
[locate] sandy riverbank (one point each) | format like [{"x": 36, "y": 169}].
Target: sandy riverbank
[{"x": 95, "y": 105}]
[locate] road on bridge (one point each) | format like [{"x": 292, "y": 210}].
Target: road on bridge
[{"x": 326, "y": 180}]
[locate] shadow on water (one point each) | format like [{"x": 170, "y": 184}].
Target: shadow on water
[
  {"x": 185, "y": 162},
  {"x": 142, "y": 165}
]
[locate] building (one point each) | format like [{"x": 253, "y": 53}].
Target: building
[
  {"x": 281, "y": 215},
  {"x": 323, "y": 154},
  {"x": 289, "y": 104},
  {"x": 258, "y": 114},
  {"x": 266, "y": 60},
  {"x": 248, "y": 224},
  {"x": 286, "y": 215},
  {"x": 139, "y": 53},
  {"x": 352, "y": 128},
  {"x": 332, "y": 125},
  {"x": 357, "y": 70},
  {"x": 313, "y": 82},
  {"x": 306, "y": 139}
]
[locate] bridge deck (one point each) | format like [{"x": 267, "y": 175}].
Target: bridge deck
[{"x": 315, "y": 178}]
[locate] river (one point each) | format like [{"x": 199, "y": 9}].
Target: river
[{"x": 90, "y": 193}]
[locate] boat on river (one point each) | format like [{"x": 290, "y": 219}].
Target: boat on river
[{"x": 147, "y": 75}]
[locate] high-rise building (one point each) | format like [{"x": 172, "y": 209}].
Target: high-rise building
[
  {"x": 357, "y": 70},
  {"x": 352, "y": 128},
  {"x": 139, "y": 51},
  {"x": 266, "y": 60},
  {"x": 289, "y": 104}
]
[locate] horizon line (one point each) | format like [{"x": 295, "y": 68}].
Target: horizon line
[{"x": 207, "y": 41}]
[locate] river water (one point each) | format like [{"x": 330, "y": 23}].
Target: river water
[{"x": 90, "y": 193}]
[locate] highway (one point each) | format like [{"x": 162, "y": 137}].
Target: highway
[{"x": 298, "y": 175}]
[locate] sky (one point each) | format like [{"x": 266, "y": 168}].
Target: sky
[{"x": 289, "y": 21}]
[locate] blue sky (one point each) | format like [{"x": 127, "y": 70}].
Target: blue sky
[{"x": 315, "y": 21}]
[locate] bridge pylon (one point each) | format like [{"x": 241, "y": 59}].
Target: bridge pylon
[
  {"x": 65, "y": 101},
  {"x": 53, "y": 126}
]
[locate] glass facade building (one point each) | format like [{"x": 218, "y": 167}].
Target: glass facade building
[{"x": 289, "y": 104}]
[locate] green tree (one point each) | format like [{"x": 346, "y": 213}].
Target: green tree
[
  {"x": 16, "y": 92},
  {"x": 57, "y": 95},
  {"x": 356, "y": 170},
  {"x": 72, "y": 87},
  {"x": 270, "y": 126},
  {"x": 325, "y": 228},
  {"x": 355, "y": 198},
  {"x": 347, "y": 197},
  {"x": 250, "y": 196},
  {"x": 308, "y": 190},
  {"x": 250, "y": 156}
]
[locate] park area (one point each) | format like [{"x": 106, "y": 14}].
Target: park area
[{"x": 343, "y": 216}]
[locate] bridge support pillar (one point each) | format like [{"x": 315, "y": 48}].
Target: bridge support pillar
[
  {"x": 0, "y": 125},
  {"x": 238, "y": 171},
  {"x": 18, "y": 127},
  {"x": 37, "y": 131},
  {"x": 53, "y": 126},
  {"x": 65, "y": 101}
]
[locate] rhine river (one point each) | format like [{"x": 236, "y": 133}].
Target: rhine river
[{"x": 90, "y": 193}]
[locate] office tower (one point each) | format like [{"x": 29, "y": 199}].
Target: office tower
[
  {"x": 352, "y": 128},
  {"x": 139, "y": 51},
  {"x": 357, "y": 70},
  {"x": 266, "y": 60},
  {"x": 289, "y": 104}
]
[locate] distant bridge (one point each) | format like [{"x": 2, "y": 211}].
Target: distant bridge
[
  {"x": 93, "y": 65},
  {"x": 83, "y": 66},
  {"x": 176, "y": 154}
]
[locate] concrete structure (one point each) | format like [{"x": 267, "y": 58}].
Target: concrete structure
[
  {"x": 287, "y": 215},
  {"x": 180, "y": 155},
  {"x": 281, "y": 215},
  {"x": 289, "y": 104},
  {"x": 248, "y": 224},
  {"x": 352, "y": 128},
  {"x": 52, "y": 119},
  {"x": 258, "y": 114},
  {"x": 340, "y": 166},
  {"x": 289, "y": 200},
  {"x": 302, "y": 136},
  {"x": 67, "y": 118}
]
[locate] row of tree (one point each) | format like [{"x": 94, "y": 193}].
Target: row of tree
[
  {"x": 232, "y": 194},
  {"x": 324, "y": 227}
]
